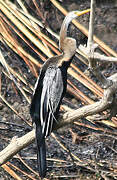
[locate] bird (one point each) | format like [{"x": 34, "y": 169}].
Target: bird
[{"x": 50, "y": 89}]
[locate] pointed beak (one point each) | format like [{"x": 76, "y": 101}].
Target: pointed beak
[{"x": 79, "y": 13}]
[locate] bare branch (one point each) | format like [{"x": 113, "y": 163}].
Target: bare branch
[
  {"x": 97, "y": 56},
  {"x": 18, "y": 144},
  {"x": 15, "y": 146},
  {"x": 91, "y": 26},
  {"x": 90, "y": 51}
]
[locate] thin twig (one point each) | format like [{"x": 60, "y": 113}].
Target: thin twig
[
  {"x": 91, "y": 26},
  {"x": 90, "y": 51}
]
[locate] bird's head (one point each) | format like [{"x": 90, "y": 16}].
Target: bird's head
[
  {"x": 66, "y": 44},
  {"x": 74, "y": 14}
]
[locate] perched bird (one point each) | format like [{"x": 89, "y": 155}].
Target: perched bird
[{"x": 50, "y": 88}]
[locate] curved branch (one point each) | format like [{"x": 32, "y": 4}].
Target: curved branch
[
  {"x": 18, "y": 144},
  {"x": 90, "y": 109},
  {"x": 15, "y": 146}
]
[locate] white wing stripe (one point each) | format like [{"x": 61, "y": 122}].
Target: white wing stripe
[
  {"x": 51, "y": 94},
  {"x": 48, "y": 124},
  {"x": 42, "y": 106},
  {"x": 35, "y": 87}
]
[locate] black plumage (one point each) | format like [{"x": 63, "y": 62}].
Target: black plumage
[{"x": 49, "y": 91}]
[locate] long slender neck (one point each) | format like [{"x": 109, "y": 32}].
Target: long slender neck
[
  {"x": 63, "y": 31},
  {"x": 66, "y": 44}
]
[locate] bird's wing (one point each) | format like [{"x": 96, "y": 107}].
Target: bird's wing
[
  {"x": 51, "y": 96},
  {"x": 35, "y": 103},
  {"x": 47, "y": 98}
]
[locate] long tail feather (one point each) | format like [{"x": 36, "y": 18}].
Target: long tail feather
[{"x": 41, "y": 153}]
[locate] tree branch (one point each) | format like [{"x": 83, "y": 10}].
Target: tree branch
[
  {"x": 90, "y": 51},
  {"x": 18, "y": 144},
  {"x": 91, "y": 26},
  {"x": 97, "y": 56}
]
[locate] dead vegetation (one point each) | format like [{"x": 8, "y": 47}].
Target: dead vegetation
[{"x": 26, "y": 42}]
